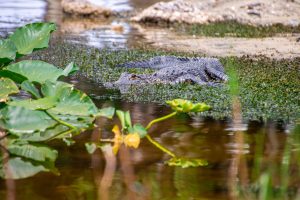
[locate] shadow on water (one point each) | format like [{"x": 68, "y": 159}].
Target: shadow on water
[{"x": 236, "y": 157}]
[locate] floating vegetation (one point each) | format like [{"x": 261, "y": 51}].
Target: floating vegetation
[{"x": 37, "y": 107}]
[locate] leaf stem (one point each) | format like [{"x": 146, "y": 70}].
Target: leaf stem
[
  {"x": 160, "y": 119},
  {"x": 62, "y": 122},
  {"x": 158, "y": 145},
  {"x": 61, "y": 133}
]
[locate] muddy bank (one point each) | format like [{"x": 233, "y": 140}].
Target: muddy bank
[
  {"x": 256, "y": 12},
  {"x": 277, "y": 47}
]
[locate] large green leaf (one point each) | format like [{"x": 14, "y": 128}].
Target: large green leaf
[
  {"x": 19, "y": 169},
  {"x": 34, "y": 152},
  {"x": 7, "y": 51},
  {"x": 41, "y": 136},
  {"x": 18, "y": 78},
  {"x": 32, "y": 36},
  {"x": 36, "y": 71},
  {"x": 7, "y": 87},
  {"x": 70, "y": 100},
  {"x": 30, "y": 88},
  {"x": 39, "y": 104},
  {"x": 22, "y": 120}
]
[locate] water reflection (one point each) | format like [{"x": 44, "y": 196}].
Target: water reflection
[
  {"x": 16, "y": 13},
  {"x": 141, "y": 174},
  {"x": 97, "y": 33}
]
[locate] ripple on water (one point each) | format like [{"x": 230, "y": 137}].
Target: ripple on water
[{"x": 16, "y": 13}]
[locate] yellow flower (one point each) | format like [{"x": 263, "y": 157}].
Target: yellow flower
[
  {"x": 118, "y": 140},
  {"x": 132, "y": 140}
]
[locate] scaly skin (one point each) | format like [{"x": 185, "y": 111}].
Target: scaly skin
[{"x": 173, "y": 70}]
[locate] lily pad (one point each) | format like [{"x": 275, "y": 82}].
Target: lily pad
[
  {"x": 7, "y": 87},
  {"x": 21, "y": 120},
  {"x": 37, "y": 71},
  {"x": 39, "y": 104},
  {"x": 7, "y": 51},
  {"x": 32, "y": 37},
  {"x": 70, "y": 100}
]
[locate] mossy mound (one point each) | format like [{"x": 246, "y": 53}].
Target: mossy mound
[{"x": 269, "y": 89}]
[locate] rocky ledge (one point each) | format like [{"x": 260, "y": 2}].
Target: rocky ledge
[
  {"x": 255, "y": 12},
  {"x": 84, "y": 7}
]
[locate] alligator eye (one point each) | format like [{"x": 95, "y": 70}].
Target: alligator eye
[{"x": 134, "y": 77}]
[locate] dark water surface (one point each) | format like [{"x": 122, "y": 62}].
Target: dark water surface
[{"x": 235, "y": 158}]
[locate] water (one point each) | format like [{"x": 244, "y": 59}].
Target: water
[
  {"x": 142, "y": 174},
  {"x": 235, "y": 157},
  {"x": 110, "y": 33}
]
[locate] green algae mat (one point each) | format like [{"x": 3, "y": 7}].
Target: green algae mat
[{"x": 269, "y": 89}]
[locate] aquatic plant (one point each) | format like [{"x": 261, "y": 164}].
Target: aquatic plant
[
  {"x": 35, "y": 106},
  {"x": 131, "y": 134}
]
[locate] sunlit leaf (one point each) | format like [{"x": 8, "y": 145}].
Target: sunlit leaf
[
  {"x": 40, "y": 136},
  {"x": 121, "y": 116},
  {"x": 36, "y": 71},
  {"x": 7, "y": 51},
  {"x": 70, "y": 100},
  {"x": 106, "y": 112},
  {"x": 39, "y": 104},
  {"x": 22, "y": 120},
  {"x": 186, "y": 106},
  {"x": 127, "y": 119},
  {"x": 90, "y": 147},
  {"x": 70, "y": 69},
  {"x": 7, "y": 87},
  {"x": 32, "y": 37},
  {"x": 186, "y": 162}
]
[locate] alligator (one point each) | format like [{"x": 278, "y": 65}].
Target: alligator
[{"x": 172, "y": 70}]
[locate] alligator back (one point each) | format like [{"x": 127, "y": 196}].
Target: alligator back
[{"x": 158, "y": 62}]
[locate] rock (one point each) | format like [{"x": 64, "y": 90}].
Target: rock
[
  {"x": 84, "y": 7},
  {"x": 277, "y": 47},
  {"x": 255, "y": 12}
]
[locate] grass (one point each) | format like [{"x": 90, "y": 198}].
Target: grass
[
  {"x": 230, "y": 28},
  {"x": 269, "y": 89}
]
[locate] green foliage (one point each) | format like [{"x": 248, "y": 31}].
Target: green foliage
[
  {"x": 235, "y": 29},
  {"x": 39, "y": 71},
  {"x": 7, "y": 87},
  {"x": 7, "y": 51},
  {"x": 185, "y": 106},
  {"x": 90, "y": 147},
  {"x": 55, "y": 110},
  {"x": 186, "y": 162},
  {"x": 32, "y": 37}
]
